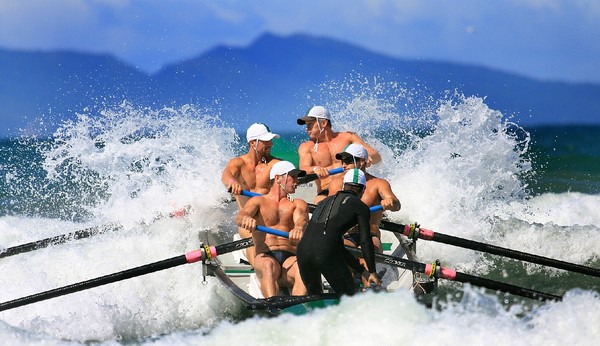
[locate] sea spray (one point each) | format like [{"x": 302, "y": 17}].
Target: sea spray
[
  {"x": 131, "y": 165},
  {"x": 453, "y": 162}
]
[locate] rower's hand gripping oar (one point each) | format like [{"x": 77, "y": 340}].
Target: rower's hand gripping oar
[{"x": 205, "y": 253}]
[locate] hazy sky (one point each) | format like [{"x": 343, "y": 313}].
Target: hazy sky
[{"x": 546, "y": 39}]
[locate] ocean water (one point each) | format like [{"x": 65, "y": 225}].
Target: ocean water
[{"x": 458, "y": 167}]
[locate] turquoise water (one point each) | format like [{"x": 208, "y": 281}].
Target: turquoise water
[{"x": 566, "y": 158}]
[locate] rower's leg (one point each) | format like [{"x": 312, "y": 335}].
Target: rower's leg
[{"x": 268, "y": 271}]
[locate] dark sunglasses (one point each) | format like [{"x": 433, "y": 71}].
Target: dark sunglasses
[{"x": 349, "y": 160}]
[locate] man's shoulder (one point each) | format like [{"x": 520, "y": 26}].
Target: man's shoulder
[
  {"x": 346, "y": 137},
  {"x": 378, "y": 183},
  {"x": 300, "y": 203},
  {"x": 306, "y": 145},
  {"x": 273, "y": 160},
  {"x": 238, "y": 160},
  {"x": 350, "y": 135}
]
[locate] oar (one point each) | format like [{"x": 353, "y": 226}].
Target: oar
[
  {"x": 310, "y": 206},
  {"x": 313, "y": 176},
  {"x": 432, "y": 270},
  {"x": 414, "y": 232},
  {"x": 435, "y": 271},
  {"x": 59, "y": 239},
  {"x": 76, "y": 235},
  {"x": 205, "y": 253},
  {"x": 301, "y": 180}
]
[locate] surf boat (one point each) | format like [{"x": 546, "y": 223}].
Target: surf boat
[{"x": 235, "y": 273}]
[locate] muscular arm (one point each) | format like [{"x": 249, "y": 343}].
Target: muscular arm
[
  {"x": 306, "y": 160},
  {"x": 230, "y": 175},
  {"x": 389, "y": 201},
  {"x": 246, "y": 217},
  {"x": 300, "y": 214}
]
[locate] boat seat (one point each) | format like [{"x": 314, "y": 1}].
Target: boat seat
[{"x": 254, "y": 286}]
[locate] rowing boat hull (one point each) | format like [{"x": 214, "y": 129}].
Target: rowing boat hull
[
  {"x": 275, "y": 305},
  {"x": 234, "y": 272}
]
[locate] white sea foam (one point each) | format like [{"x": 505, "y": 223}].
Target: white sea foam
[{"x": 462, "y": 179}]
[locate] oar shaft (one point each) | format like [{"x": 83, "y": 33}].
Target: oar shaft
[
  {"x": 497, "y": 250},
  {"x": 190, "y": 257},
  {"x": 504, "y": 287},
  {"x": 80, "y": 234},
  {"x": 489, "y": 248},
  {"x": 59, "y": 239},
  {"x": 450, "y": 274},
  {"x": 313, "y": 176},
  {"x": 103, "y": 280}
]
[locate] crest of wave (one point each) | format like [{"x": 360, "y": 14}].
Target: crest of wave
[
  {"x": 388, "y": 115},
  {"x": 468, "y": 169},
  {"x": 141, "y": 162},
  {"x": 453, "y": 162}
]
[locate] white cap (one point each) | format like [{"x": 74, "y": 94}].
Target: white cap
[
  {"x": 355, "y": 176},
  {"x": 261, "y": 132},
  {"x": 318, "y": 112},
  {"x": 283, "y": 167},
  {"x": 355, "y": 150}
]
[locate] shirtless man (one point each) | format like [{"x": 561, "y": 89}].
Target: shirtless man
[
  {"x": 377, "y": 192},
  {"x": 318, "y": 154},
  {"x": 275, "y": 262},
  {"x": 251, "y": 171}
]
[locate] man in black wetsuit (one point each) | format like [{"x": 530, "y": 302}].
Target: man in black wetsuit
[{"x": 321, "y": 250}]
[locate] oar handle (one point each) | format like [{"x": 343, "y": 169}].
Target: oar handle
[
  {"x": 375, "y": 208},
  {"x": 247, "y": 193},
  {"x": 313, "y": 176},
  {"x": 272, "y": 231},
  {"x": 250, "y": 193}
]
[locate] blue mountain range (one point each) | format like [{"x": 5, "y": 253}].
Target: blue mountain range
[{"x": 274, "y": 79}]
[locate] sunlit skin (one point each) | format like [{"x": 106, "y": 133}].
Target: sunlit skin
[
  {"x": 275, "y": 210},
  {"x": 377, "y": 192},
  {"x": 318, "y": 154},
  {"x": 249, "y": 172}
]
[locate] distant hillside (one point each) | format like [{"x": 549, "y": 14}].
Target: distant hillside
[{"x": 269, "y": 80}]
